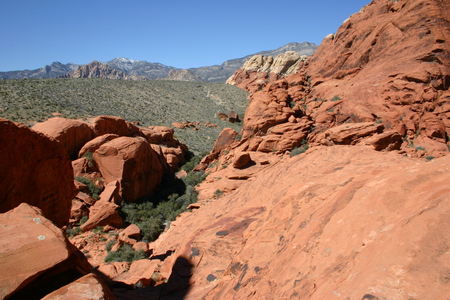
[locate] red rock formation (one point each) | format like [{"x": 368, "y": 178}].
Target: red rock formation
[
  {"x": 341, "y": 220},
  {"x": 35, "y": 256},
  {"x": 260, "y": 69},
  {"x": 389, "y": 63},
  {"x": 95, "y": 143},
  {"x": 36, "y": 170},
  {"x": 89, "y": 287},
  {"x": 113, "y": 125},
  {"x": 72, "y": 134},
  {"x": 131, "y": 162},
  {"x": 225, "y": 139},
  {"x": 103, "y": 213},
  {"x": 130, "y": 235}
]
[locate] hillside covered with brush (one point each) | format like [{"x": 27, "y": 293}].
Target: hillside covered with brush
[{"x": 147, "y": 102}]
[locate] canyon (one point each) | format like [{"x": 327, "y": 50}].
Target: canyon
[{"x": 336, "y": 186}]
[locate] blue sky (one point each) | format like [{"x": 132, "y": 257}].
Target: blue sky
[{"x": 177, "y": 33}]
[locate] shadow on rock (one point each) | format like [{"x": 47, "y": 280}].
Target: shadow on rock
[{"x": 176, "y": 287}]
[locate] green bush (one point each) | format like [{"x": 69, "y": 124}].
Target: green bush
[
  {"x": 218, "y": 193},
  {"x": 93, "y": 189},
  {"x": 109, "y": 245},
  {"x": 71, "y": 232},
  {"x": 90, "y": 158},
  {"x": 299, "y": 150},
  {"x": 336, "y": 98},
  {"x": 125, "y": 253},
  {"x": 192, "y": 160},
  {"x": 193, "y": 178}
]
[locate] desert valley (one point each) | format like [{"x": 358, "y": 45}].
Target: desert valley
[{"x": 304, "y": 176}]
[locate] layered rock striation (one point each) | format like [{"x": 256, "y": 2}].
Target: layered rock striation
[{"x": 260, "y": 69}]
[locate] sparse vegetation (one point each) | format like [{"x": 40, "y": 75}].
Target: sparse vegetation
[
  {"x": 93, "y": 189},
  {"x": 90, "y": 158},
  {"x": 152, "y": 102},
  {"x": 218, "y": 193},
  {"x": 299, "y": 150},
  {"x": 154, "y": 214},
  {"x": 336, "y": 98},
  {"x": 125, "y": 253}
]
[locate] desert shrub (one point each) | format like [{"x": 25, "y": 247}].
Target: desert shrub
[
  {"x": 109, "y": 245},
  {"x": 93, "y": 189},
  {"x": 299, "y": 150},
  {"x": 194, "y": 177},
  {"x": 90, "y": 158},
  {"x": 71, "y": 232},
  {"x": 336, "y": 98},
  {"x": 125, "y": 253},
  {"x": 218, "y": 193},
  {"x": 192, "y": 160}
]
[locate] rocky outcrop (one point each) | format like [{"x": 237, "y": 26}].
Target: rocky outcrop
[
  {"x": 131, "y": 162},
  {"x": 220, "y": 73},
  {"x": 35, "y": 256},
  {"x": 309, "y": 223},
  {"x": 96, "y": 69},
  {"x": 36, "y": 170},
  {"x": 103, "y": 213},
  {"x": 182, "y": 75},
  {"x": 260, "y": 69},
  {"x": 112, "y": 125},
  {"x": 72, "y": 134},
  {"x": 386, "y": 64}
]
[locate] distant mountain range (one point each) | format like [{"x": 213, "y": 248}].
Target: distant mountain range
[{"x": 143, "y": 70}]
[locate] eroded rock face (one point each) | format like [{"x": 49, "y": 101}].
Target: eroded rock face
[
  {"x": 36, "y": 170},
  {"x": 35, "y": 256},
  {"x": 131, "y": 162},
  {"x": 260, "y": 69},
  {"x": 310, "y": 223},
  {"x": 113, "y": 125},
  {"x": 388, "y": 63},
  {"x": 389, "y": 60}
]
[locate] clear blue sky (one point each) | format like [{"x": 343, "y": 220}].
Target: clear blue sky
[{"x": 183, "y": 34}]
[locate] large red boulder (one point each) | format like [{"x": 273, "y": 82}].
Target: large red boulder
[
  {"x": 35, "y": 256},
  {"x": 88, "y": 287},
  {"x": 36, "y": 170},
  {"x": 95, "y": 143},
  {"x": 131, "y": 162},
  {"x": 113, "y": 125},
  {"x": 72, "y": 134}
]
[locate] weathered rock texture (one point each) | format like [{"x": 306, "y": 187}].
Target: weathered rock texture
[
  {"x": 260, "y": 69},
  {"x": 72, "y": 134},
  {"x": 97, "y": 69},
  {"x": 131, "y": 162},
  {"x": 182, "y": 75},
  {"x": 36, "y": 170},
  {"x": 388, "y": 64},
  {"x": 342, "y": 221},
  {"x": 35, "y": 256}
]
